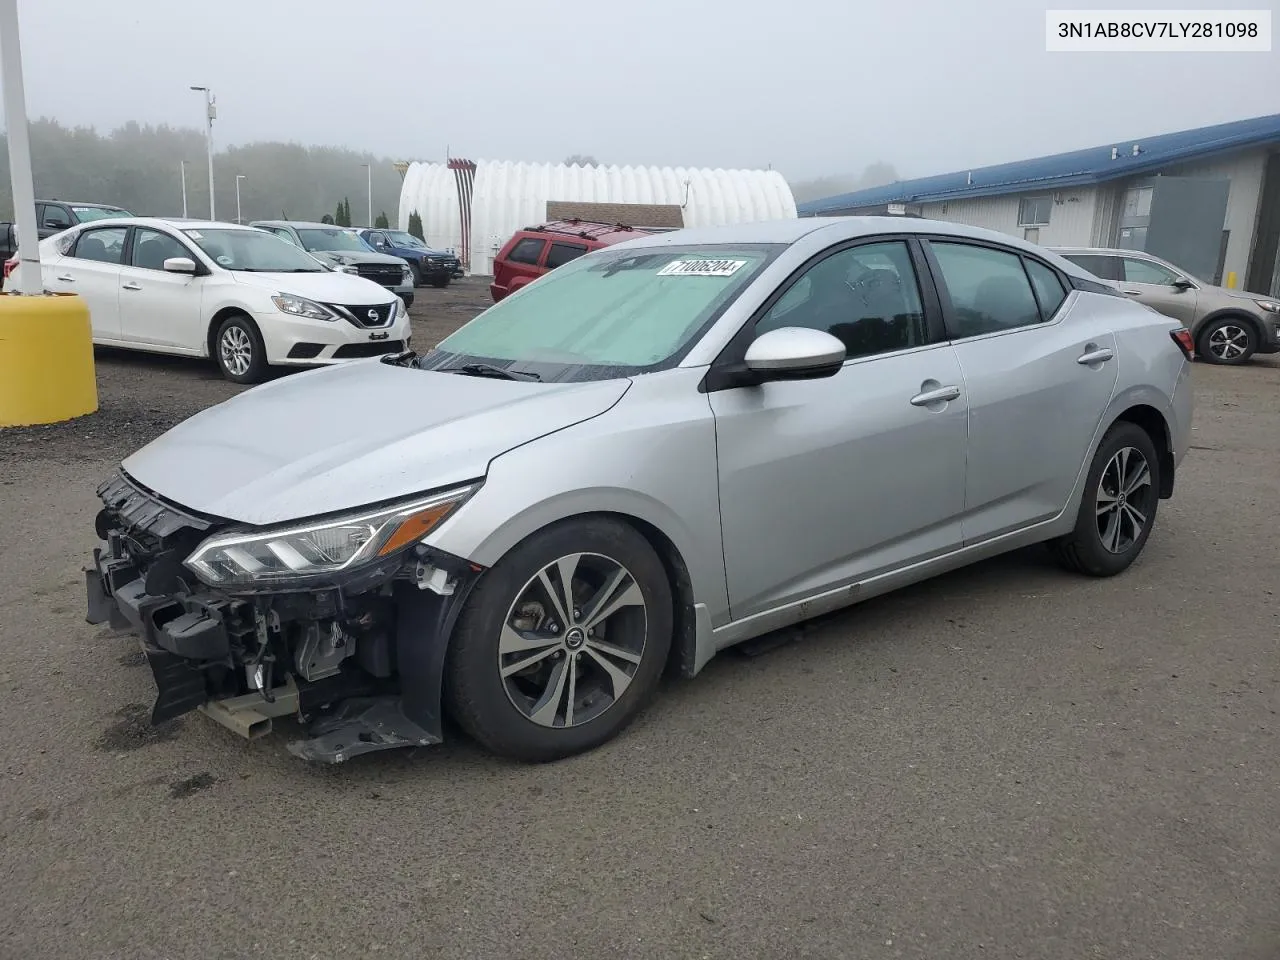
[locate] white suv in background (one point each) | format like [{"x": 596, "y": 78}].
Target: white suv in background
[{"x": 244, "y": 297}]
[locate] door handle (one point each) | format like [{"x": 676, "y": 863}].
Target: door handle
[
  {"x": 66, "y": 278},
  {"x": 1094, "y": 355},
  {"x": 940, "y": 395},
  {"x": 1132, "y": 293},
  {"x": 131, "y": 286}
]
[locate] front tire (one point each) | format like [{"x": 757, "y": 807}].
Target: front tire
[
  {"x": 562, "y": 642},
  {"x": 1229, "y": 341},
  {"x": 440, "y": 282},
  {"x": 417, "y": 274},
  {"x": 239, "y": 351},
  {"x": 1118, "y": 508}
]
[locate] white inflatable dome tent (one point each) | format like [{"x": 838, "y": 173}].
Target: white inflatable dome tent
[{"x": 474, "y": 207}]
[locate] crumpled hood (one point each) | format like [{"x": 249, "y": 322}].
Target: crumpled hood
[{"x": 342, "y": 437}]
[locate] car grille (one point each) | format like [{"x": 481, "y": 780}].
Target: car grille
[
  {"x": 370, "y": 315},
  {"x": 351, "y": 351},
  {"x": 387, "y": 274}
]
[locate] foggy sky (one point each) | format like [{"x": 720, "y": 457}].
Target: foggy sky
[{"x": 812, "y": 87}]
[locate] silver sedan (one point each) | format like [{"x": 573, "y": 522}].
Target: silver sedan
[{"x": 655, "y": 452}]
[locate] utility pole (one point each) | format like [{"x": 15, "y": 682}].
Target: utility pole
[
  {"x": 210, "y": 112},
  {"x": 369, "y": 170},
  {"x": 239, "y": 177},
  {"x": 28, "y": 280},
  {"x": 183, "y": 167}
]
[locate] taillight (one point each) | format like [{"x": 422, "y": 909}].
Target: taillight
[
  {"x": 9, "y": 266},
  {"x": 1182, "y": 337}
]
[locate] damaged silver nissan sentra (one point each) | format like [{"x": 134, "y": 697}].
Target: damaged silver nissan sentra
[{"x": 654, "y": 452}]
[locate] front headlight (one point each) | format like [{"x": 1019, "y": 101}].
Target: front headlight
[
  {"x": 303, "y": 552},
  {"x": 1268, "y": 305},
  {"x": 401, "y": 310},
  {"x": 302, "y": 307},
  {"x": 347, "y": 268},
  {"x": 406, "y": 274}
]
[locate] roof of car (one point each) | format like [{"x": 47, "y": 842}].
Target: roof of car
[
  {"x": 172, "y": 222},
  {"x": 1107, "y": 251},
  {"x": 307, "y": 224},
  {"x": 597, "y": 230},
  {"x": 84, "y": 203}
]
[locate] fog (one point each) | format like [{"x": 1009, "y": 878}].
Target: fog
[{"x": 811, "y": 88}]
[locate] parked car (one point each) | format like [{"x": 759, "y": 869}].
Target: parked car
[
  {"x": 343, "y": 249},
  {"x": 1228, "y": 326},
  {"x": 54, "y": 216},
  {"x": 664, "y": 448},
  {"x": 535, "y": 250},
  {"x": 436, "y": 267},
  {"x": 244, "y": 298}
]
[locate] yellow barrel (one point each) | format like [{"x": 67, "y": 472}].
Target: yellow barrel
[{"x": 46, "y": 359}]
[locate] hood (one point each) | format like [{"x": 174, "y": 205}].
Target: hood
[
  {"x": 342, "y": 437},
  {"x": 354, "y": 256},
  {"x": 345, "y": 288}
]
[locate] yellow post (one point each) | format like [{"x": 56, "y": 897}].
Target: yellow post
[
  {"x": 1231, "y": 280},
  {"x": 46, "y": 360}
]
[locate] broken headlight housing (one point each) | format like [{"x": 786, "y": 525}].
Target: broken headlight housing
[{"x": 298, "y": 553}]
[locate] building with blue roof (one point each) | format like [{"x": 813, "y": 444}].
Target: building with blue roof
[{"x": 1211, "y": 194}]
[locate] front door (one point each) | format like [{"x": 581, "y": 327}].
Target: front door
[
  {"x": 157, "y": 308},
  {"x": 1153, "y": 284},
  {"x": 91, "y": 268},
  {"x": 1039, "y": 367},
  {"x": 825, "y": 482}
]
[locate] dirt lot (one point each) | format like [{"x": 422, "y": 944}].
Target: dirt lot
[{"x": 1005, "y": 762}]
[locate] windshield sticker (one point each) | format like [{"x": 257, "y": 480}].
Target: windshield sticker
[
  {"x": 702, "y": 268},
  {"x": 225, "y": 261},
  {"x": 195, "y": 235}
]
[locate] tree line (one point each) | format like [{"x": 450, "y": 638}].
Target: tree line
[{"x": 139, "y": 167}]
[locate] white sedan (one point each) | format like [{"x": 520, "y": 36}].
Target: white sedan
[{"x": 239, "y": 295}]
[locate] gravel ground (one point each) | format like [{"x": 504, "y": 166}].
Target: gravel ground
[{"x": 1004, "y": 762}]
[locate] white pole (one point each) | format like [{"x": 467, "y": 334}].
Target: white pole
[
  {"x": 369, "y": 168},
  {"x": 28, "y": 280},
  {"x": 183, "y": 166},
  {"x": 239, "y": 177},
  {"x": 209, "y": 113}
]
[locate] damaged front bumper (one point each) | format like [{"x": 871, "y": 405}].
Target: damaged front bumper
[{"x": 359, "y": 663}]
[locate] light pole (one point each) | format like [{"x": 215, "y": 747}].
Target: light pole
[
  {"x": 239, "y": 177},
  {"x": 28, "y": 281},
  {"x": 183, "y": 166},
  {"x": 369, "y": 169},
  {"x": 210, "y": 112}
]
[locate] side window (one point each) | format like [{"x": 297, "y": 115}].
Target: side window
[
  {"x": 152, "y": 248},
  {"x": 527, "y": 250},
  {"x": 54, "y": 217},
  {"x": 989, "y": 289},
  {"x": 1047, "y": 286},
  {"x": 1100, "y": 265},
  {"x": 562, "y": 253},
  {"x": 285, "y": 235},
  {"x": 866, "y": 296},
  {"x": 1144, "y": 271},
  {"x": 104, "y": 245}
]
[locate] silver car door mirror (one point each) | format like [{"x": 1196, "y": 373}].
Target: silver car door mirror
[{"x": 794, "y": 353}]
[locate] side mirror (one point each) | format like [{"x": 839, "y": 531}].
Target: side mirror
[
  {"x": 180, "y": 265},
  {"x": 1182, "y": 283},
  {"x": 794, "y": 353}
]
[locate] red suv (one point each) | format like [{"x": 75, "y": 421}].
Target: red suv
[{"x": 535, "y": 250}]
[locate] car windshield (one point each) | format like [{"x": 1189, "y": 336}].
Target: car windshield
[
  {"x": 611, "y": 313},
  {"x": 253, "y": 251},
  {"x": 333, "y": 238},
  {"x": 85, "y": 214},
  {"x": 402, "y": 239}
]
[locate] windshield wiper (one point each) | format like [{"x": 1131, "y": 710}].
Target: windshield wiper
[{"x": 489, "y": 370}]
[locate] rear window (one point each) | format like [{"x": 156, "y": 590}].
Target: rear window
[
  {"x": 528, "y": 250},
  {"x": 1100, "y": 265}
]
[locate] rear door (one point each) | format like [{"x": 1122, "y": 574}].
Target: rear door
[
  {"x": 91, "y": 268},
  {"x": 52, "y": 218},
  {"x": 1039, "y": 368},
  {"x": 523, "y": 264},
  {"x": 157, "y": 308}
]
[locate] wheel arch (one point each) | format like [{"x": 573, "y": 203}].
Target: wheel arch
[
  {"x": 216, "y": 321},
  {"x": 1156, "y": 426},
  {"x": 1228, "y": 313}
]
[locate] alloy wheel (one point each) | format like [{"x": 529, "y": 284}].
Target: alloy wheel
[
  {"x": 236, "y": 350},
  {"x": 573, "y": 640},
  {"x": 1229, "y": 342},
  {"x": 1124, "y": 499}
]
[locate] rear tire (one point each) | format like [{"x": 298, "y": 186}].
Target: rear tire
[
  {"x": 1118, "y": 508},
  {"x": 1229, "y": 341},
  {"x": 530, "y": 673},
  {"x": 238, "y": 350}
]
